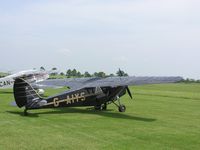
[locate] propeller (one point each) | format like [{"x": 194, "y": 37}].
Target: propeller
[
  {"x": 129, "y": 92},
  {"x": 127, "y": 88}
]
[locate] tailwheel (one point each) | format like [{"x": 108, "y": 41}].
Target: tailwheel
[{"x": 122, "y": 108}]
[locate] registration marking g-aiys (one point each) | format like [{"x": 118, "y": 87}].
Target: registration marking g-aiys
[{"x": 69, "y": 100}]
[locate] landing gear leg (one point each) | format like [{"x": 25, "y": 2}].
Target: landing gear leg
[
  {"x": 101, "y": 107},
  {"x": 121, "y": 107},
  {"x": 104, "y": 106}
]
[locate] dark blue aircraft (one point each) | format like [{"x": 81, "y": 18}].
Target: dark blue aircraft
[{"x": 97, "y": 92}]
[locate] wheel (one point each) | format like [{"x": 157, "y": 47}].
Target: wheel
[
  {"x": 104, "y": 106},
  {"x": 98, "y": 107},
  {"x": 122, "y": 108}
]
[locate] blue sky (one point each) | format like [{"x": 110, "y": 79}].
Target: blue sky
[{"x": 143, "y": 37}]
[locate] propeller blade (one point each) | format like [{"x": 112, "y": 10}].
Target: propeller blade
[{"x": 129, "y": 92}]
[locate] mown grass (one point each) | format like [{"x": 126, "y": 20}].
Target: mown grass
[{"x": 165, "y": 116}]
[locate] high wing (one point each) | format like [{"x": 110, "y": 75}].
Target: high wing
[
  {"x": 126, "y": 81},
  {"x": 74, "y": 83}
]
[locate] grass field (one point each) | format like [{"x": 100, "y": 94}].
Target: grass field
[{"x": 165, "y": 116}]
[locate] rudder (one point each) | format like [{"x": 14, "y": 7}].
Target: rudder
[{"x": 24, "y": 93}]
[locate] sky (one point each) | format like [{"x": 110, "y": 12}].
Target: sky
[{"x": 142, "y": 37}]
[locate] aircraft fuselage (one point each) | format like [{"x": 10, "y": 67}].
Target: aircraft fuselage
[{"x": 83, "y": 97}]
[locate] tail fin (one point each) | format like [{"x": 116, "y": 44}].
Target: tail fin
[{"x": 24, "y": 93}]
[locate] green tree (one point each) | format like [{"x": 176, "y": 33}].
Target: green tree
[
  {"x": 95, "y": 74},
  {"x": 54, "y": 71},
  {"x": 74, "y": 73},
  {"x": 121, "y": 73},
  {"x": 62, "y": 74},
  {"x": 42, "y": 68},
  {"x": 87, "y": 74},
  {"x": 111, "y": 75},
  {"x": 78, "y": 74},
  {"x": 69, "y": 73},
  {"x": 54, "y": 68},
  {"x": 100, "y": 74}
]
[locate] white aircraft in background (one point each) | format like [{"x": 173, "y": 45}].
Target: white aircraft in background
[{"x": 31, "y": 76}]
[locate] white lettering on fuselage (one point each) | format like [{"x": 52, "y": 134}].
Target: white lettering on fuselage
[
  {"x": 6, "y": 83},
  {"x": 69, "y": 100}
]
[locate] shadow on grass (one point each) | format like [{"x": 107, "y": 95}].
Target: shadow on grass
[
  {"x": 106, "y": 113},
  {"x": 22, "y": 113},
  {"x": 6, "y": 92}
]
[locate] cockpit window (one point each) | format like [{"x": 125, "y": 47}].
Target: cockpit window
[{"x": 98, "y": 90}]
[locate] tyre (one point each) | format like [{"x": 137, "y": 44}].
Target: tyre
[
  {"x": 104, "y": 107},
  {"x": 97, "y": 107},
  {"x": 122, "y": 108}
]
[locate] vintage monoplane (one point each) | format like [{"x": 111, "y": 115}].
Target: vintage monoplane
[{"x": 97, "y": 92}]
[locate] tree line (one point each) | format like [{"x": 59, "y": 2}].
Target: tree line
[
  {"x": 76, "y": 73},
  {"x": 188, "y": 80},
  {"x": 2, "y": 74}
]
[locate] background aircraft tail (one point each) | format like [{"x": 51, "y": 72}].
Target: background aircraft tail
[{"x": 24, "y": 93}]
